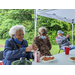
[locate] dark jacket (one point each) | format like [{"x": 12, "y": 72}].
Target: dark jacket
[{"x": 12, "y": 51}]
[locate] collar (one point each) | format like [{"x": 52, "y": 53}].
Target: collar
[
  {"x": 60, "y": 36},
  {"x": 16, "y": 42}
]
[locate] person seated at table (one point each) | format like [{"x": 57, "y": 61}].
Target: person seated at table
[
  {"x": 42, "y": 41},
  {"x": 63, "y": 41},
  {"x": 17, "y": 47}
]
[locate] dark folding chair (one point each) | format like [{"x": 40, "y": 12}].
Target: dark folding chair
[
  {"x": 60, "y": 49},
  {"x": 1, "y": 55}
]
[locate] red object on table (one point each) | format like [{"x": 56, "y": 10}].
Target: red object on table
[
  {"x": 37, "y": 58},
  {"x": 67, "y": 49},
  {"x": 1, "y": 63}
]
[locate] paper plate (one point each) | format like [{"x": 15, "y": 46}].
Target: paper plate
[
  {"x": 71, "y": 59},
  {"x": 48, "y": 60}
]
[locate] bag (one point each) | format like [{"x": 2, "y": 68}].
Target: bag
[{"x": 22, "y": 61}]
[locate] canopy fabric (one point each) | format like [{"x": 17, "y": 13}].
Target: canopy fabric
[{"x": 67, "y": 15}]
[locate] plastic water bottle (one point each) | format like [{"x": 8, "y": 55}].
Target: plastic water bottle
[{"x": 36, "y": 56}]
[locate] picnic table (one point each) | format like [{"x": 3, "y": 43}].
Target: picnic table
[{"x": 60, "y": 59}]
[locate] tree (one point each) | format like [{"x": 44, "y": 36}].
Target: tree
[
  {"x": 53, "y": 24},
  {"x": 11, "y": 17}
]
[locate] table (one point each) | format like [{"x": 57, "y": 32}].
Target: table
[{"x": 61, "y": 59}]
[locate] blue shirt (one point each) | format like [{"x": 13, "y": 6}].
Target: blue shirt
[{"x": 12, "y": 51}]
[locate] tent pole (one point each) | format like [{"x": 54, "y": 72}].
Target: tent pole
[
  {"x": 72, "y": 33},
  {"x": 72, "y": 30},
  {"x": 35, "y": 20}
]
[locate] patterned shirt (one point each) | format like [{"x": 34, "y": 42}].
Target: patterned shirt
[{"x": 44, "y": 45}]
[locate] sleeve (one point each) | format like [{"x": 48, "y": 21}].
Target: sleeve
[
  {"x": 11, "y": 54},
  {"x": 35, "y": 41},
  {"x": 49, "y": 44},
  {"x": 61, "y": 41},
  {"x": 68, "y": 38}
]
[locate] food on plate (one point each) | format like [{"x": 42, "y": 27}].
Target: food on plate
[
  {"x": 73, "y": 58},
  {"x": 45, "y": 58}
]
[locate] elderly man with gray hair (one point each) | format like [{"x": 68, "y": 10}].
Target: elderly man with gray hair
[{"x": 63, "y": 41}]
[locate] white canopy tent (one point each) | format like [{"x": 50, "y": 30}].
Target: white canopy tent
[{"x": 67, "y": 15}]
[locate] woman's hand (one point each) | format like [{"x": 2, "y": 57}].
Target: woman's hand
[{"x": 32, "y": 47}]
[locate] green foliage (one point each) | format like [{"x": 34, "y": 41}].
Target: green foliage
[
  {"x": 29, "y": 25},
  {"x": 11, "y": 17},
  {"x": 53, "y": 24}
]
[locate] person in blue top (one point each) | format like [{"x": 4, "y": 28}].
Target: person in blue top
[{"x": 17, "y": 47}]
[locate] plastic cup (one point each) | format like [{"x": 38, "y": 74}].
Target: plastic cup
[
  {"x": 67, "y": 49},
  {"x": 1, "y": 63}
]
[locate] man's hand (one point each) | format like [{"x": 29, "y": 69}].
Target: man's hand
[
  {"x": 47, "y": 37},
  {"x": 67, "y": 35}
]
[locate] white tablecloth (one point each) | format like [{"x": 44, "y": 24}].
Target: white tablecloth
[{"x": 61, "y": 59}]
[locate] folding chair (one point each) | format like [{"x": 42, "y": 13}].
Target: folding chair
[
  {"x": 1, "y": 55},
  {"x": 60, "y": 49},
  {"x": 60, "y": 46}
]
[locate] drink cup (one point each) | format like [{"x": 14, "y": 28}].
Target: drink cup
[
  {"x": 67, "y": 50},
  {"x": 1, "y": 63}
]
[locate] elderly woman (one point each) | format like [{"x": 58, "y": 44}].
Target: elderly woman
[
  {"x": 42, "y": 41},
  {"x": 16, "y": 46}
]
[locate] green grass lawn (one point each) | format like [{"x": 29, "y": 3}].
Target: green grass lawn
[
  {"x": 2, "y": 41},
  {"x": 54, "y": 50}
]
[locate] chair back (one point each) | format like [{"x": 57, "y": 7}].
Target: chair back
[
  {"x": 56, "y": 40},
  {"x": 59, "y": 45},
  {"x": 1, "y": 55}
]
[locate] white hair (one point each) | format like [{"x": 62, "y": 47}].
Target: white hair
[
  {"x": 41, "y": 28},
  {"x": 15, "y": 28}
]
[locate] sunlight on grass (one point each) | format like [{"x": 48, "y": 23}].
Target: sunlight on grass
[
  {"x": 2, "y": 41},
  {"x": 54, "y": 50},
  {"x": 1, "y": 49}
]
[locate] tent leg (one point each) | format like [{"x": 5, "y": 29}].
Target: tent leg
[
  {"x": 72, "y": 33},
  {"x": 35, "y": 20}
]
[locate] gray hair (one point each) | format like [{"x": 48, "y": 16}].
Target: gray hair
[
  {"x": 41, "y": 28},
  {"x": 15, "y": 28}
]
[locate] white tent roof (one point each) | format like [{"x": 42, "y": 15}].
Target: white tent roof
[{"x": 67, "y": 15}]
